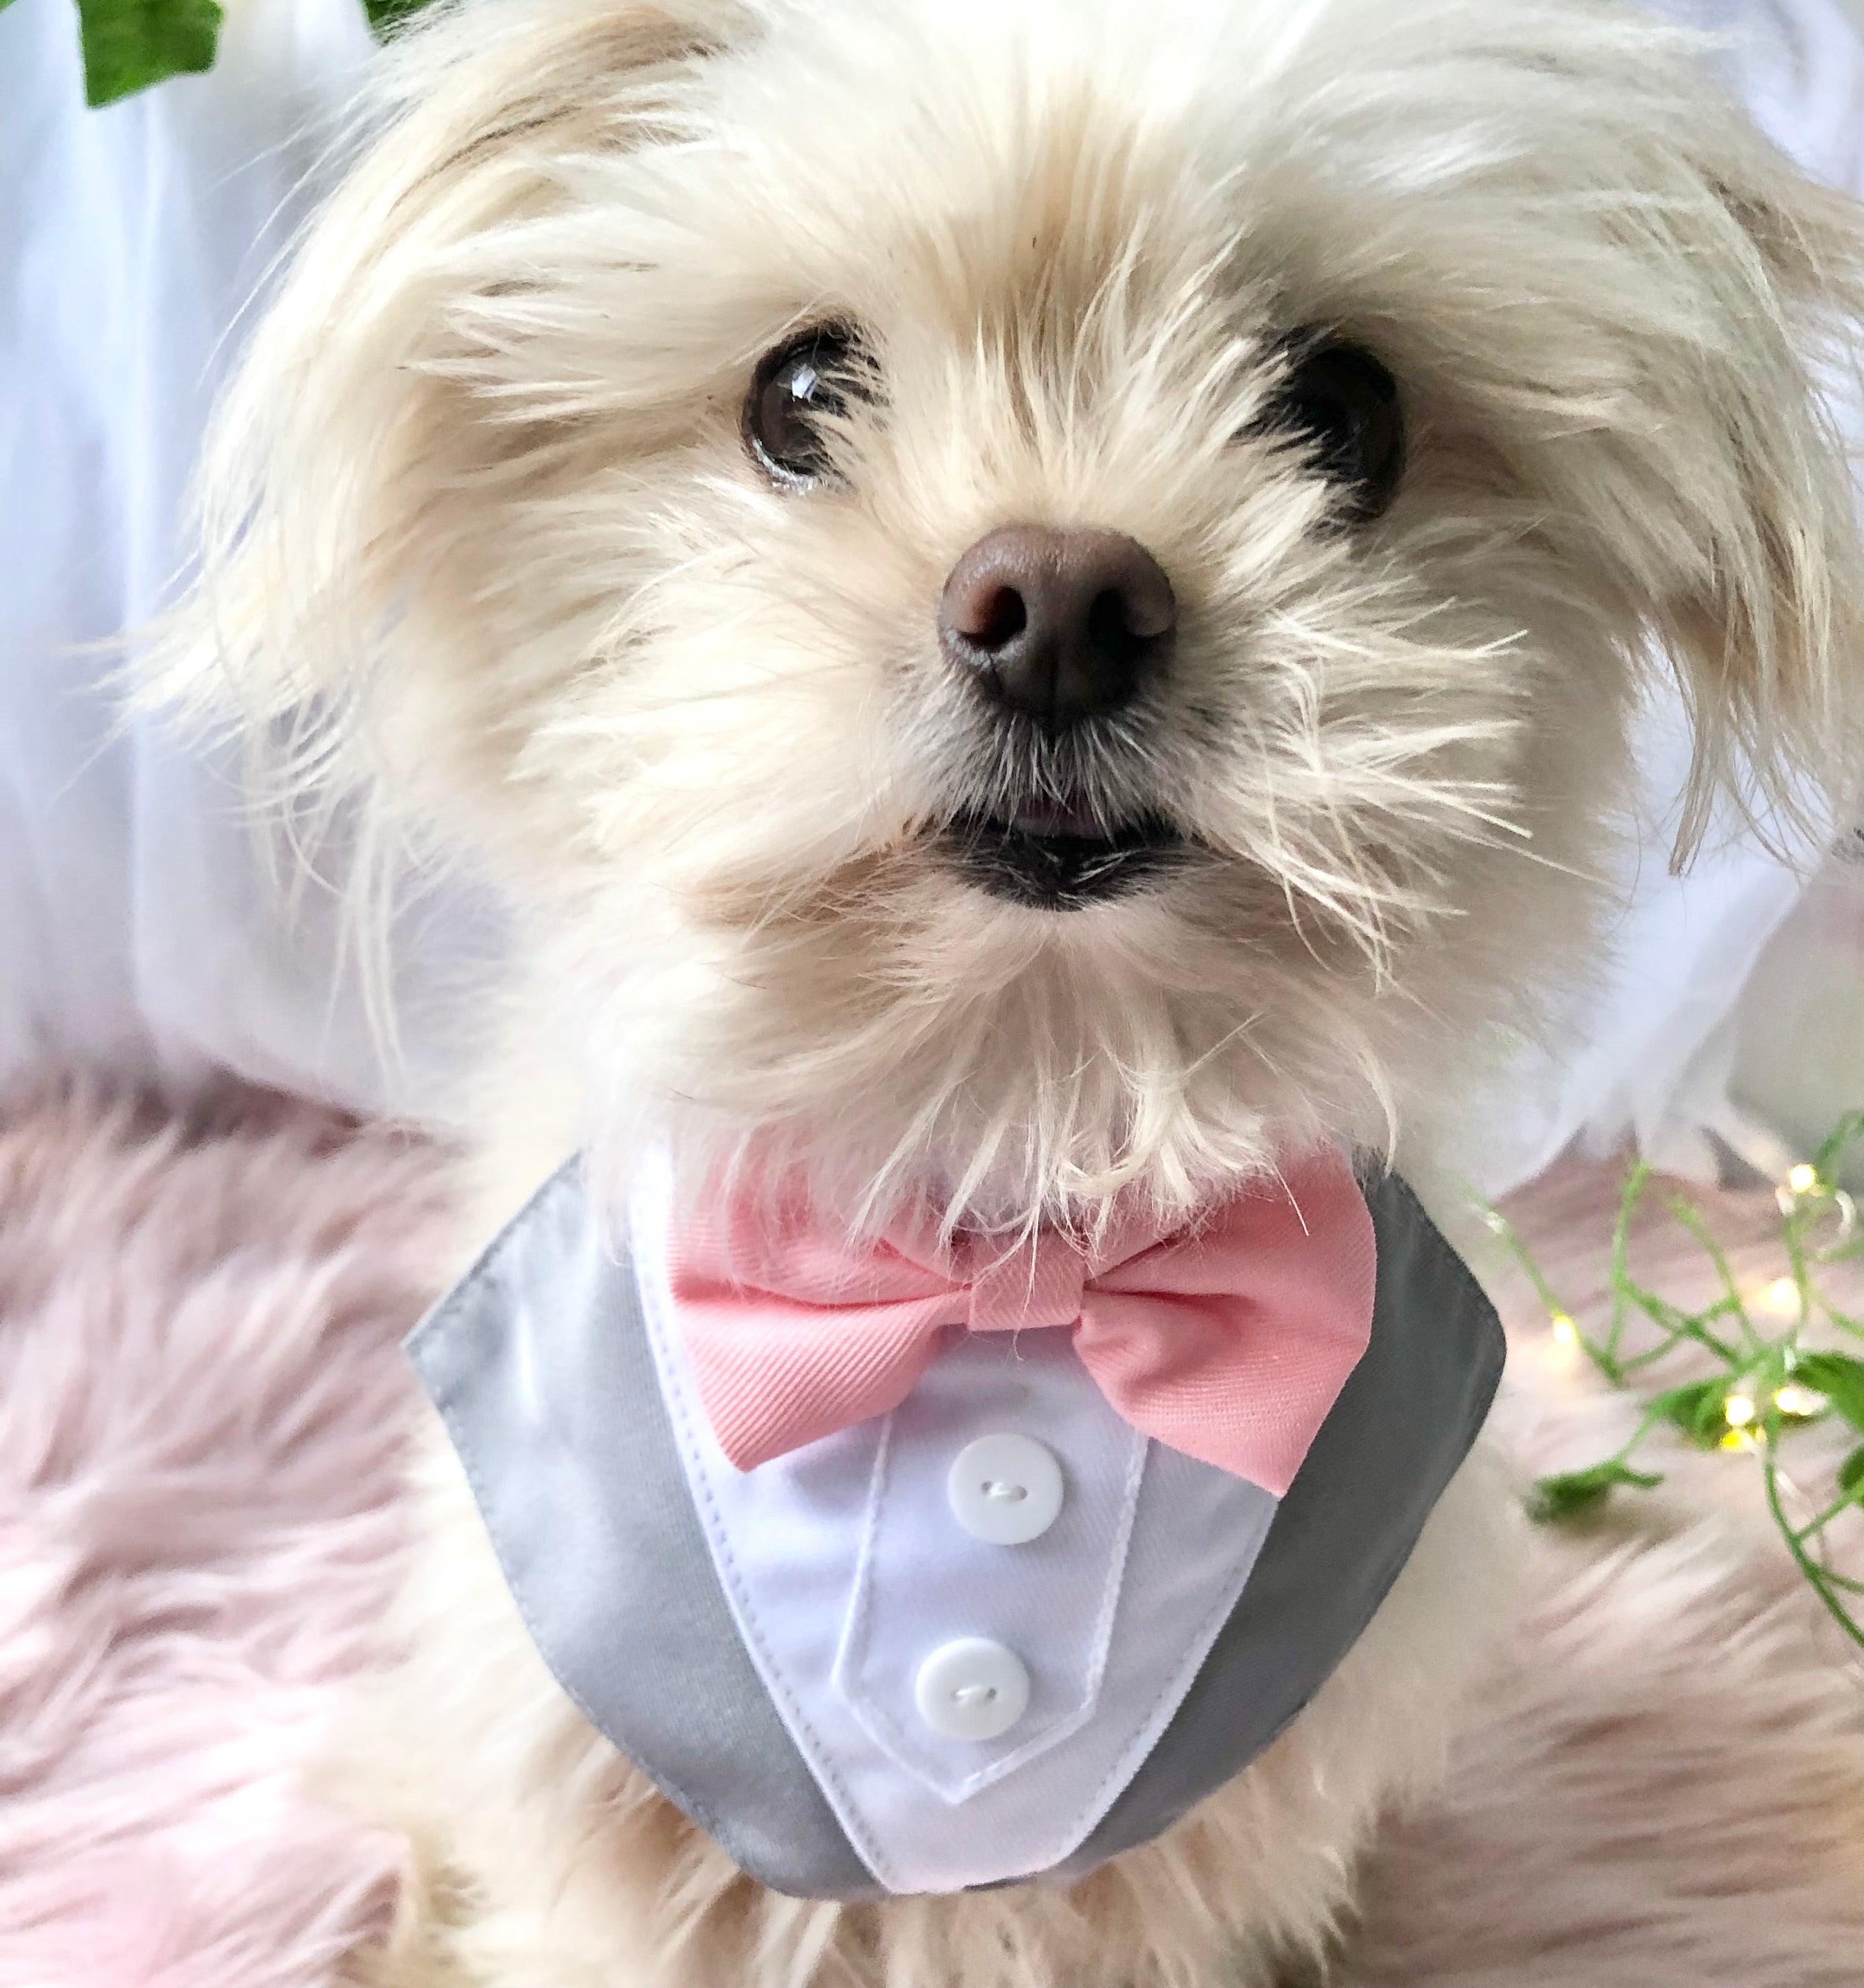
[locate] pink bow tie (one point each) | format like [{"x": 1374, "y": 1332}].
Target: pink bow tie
[{"x": 1230, "y": 1340}]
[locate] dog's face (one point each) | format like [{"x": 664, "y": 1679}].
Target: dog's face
[{"x": 1050, "y": 591}]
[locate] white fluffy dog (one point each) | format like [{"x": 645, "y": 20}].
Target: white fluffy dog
[{"x": 1044, "y": 596}]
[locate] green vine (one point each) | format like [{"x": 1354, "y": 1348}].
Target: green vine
[{"x": 1769, "y": 1385}]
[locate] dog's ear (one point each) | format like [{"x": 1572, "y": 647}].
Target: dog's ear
[
  {"x": 337, "y": 480},
  {"x": 1754, "y": 549}
]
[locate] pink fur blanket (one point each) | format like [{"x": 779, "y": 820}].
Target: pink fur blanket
[
  {"x": 200, "y": 1393},
  {"x": 200, "y": 1397}
]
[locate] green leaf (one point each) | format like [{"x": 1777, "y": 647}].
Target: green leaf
[
  {"x": 385, "y": 16},
  {"x": 1697, "y": 1410},
  {"x": 129, "y": 44},
  {"x": 1576, "y": 1491},
  {"x": 1839, "y": 1378},
  {"x": 1845, "y": 1134},
  {"x": 1851, "y": 1475}
]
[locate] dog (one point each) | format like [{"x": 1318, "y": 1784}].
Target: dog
[{"x": 1037, "y": 606}]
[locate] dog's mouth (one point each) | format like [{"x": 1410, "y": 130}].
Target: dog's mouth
[{"x": 1062, "y": 855}]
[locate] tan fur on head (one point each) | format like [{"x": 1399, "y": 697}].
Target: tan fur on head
[
  {"x": 483, "y": 539},
  {"x": 486, "y": 554}
]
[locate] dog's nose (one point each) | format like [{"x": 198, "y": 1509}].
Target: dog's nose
[{"x": 1062, "y": 625}]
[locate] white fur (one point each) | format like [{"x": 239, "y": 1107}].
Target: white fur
[{"x": 485, "y": 555}]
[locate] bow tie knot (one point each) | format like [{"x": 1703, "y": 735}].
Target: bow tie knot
[
  {"x": 1042, "y": 1283},
  {"x": 1229, "y": 1340}
]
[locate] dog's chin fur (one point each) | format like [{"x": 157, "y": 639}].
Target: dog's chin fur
[{"x": 488, "y": 564}]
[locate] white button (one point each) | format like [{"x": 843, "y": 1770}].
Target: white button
[
  {"x": 972, "y": 1689},
  {"x": 1005, "y": 1489}
]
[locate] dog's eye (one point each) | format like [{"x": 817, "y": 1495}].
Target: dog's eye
[
  {"x": 1343, "y": 405},
  {"x": 797, "y": 385}
]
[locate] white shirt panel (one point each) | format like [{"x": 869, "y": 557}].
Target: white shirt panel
[
  {"x": 923, "y": 1579},
  {"x": 845, "y": 1569}
]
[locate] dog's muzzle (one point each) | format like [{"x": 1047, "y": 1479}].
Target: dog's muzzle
[{"x": 1058, "y": 633}]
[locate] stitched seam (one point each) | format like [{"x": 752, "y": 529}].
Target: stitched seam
[
  {"x": 853, "y": 1641},
  {"x": 891, "y": 1738},
  {"x": 1140, "y": 1747},
  {"x": 820, "y": 1764},
  {"x": 1140, "y": 1451}
]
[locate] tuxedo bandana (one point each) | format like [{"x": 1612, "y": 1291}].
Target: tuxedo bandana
[{"x": 922, "y": 1568}]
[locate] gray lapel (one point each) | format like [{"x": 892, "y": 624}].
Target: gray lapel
[
  {"x": 1404, "y": 1421},
  {"x": 529, "y": 1358},
  {"x": 526, "y": 1360}
]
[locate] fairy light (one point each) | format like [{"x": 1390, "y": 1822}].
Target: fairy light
[
  {"x": 1795, "y": 1400},
  {"x": 1565, "y": 1331},
  {"x": 1738, "y": 1410},
  {"x": 1803, "y": 1179},
  {"x": 1780, "y": 1297}
]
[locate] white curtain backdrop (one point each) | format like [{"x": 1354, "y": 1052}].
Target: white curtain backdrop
[
  {"x": 139, "y": 933},
  {"x": 1645, "y": 1051}
]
